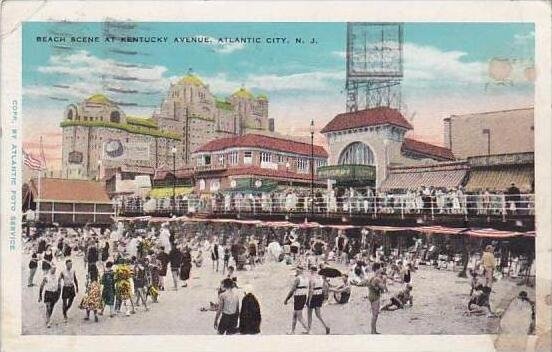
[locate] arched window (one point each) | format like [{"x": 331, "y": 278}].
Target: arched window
[
  {"x": 115, "y": 117},
  {"x": 70, "y": 114},
  {"x": 357, "y": 153}
]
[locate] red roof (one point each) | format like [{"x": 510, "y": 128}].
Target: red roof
[
  {"x": 161, "y": 174},
  {"x": 368, "y": 117},
  {"x": 418, "y": 147},
  {"x": 263, "y": 142},
  {"x": 70, "y": 191}
]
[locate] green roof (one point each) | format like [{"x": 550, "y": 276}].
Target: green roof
[
  {"x": 224, "y": 105},
  {"x": 141, "y": 121},
  {"x": 191, "y": 79},
  {"x": 243, "y": 93},
  {"x": 98, "y": 99},
  {"x": 262, "y": 97},
  {"x": 137, "y": 129}
]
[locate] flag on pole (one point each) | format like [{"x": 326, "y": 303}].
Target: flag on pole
[{"x": 33, "y": 162}]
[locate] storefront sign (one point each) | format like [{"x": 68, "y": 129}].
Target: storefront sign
[{"x": 347, "y": 172}]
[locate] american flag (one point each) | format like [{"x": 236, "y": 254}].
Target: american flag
[{"x": 33, "y": 162}]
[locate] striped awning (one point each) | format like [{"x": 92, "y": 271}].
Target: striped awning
[
  {"x": 501, "y": 178},
  {"x": 405, "y": 179},
  {"x": 492, "y": 233},
  {"x": 440, "y": 230}
]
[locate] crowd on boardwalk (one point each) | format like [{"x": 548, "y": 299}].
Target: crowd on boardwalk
[
  {"x": 128, "y": 269},
  {"x": 428, "y": 200}
]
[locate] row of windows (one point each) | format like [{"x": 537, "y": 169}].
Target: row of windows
[{"x": 264, "y": 157}]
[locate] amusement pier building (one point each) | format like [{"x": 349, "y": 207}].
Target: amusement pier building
[{"x": 365, "y": 143}]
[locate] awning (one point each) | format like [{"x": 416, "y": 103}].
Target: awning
[
  {"x": 500, "y": 178},
  {"x": 408, "y": 179},
  {"x": 167, "y": 192},
  {"x": 492, "y": 233}
]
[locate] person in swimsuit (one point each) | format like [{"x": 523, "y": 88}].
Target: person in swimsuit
[
  {"x": 228, "y": 310},
  {"x": 47, "y": 258},
  {"x": 50, "y": 286},
  {"x": 298, "y": 291},
  {"x": 215, "y": 255},
  {"x": 376, "y": 286},
  {"x": 400, "y": 300},
  {"x": 70, "y": 286},
  {"x": 317, "y": 288}
]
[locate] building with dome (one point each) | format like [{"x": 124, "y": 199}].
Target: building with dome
[
  {"x": 364, "y": 144},
  {"x": 99, "y": 139}
]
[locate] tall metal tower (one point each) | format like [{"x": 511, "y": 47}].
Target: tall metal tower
[{"x": 374, "y": 65}]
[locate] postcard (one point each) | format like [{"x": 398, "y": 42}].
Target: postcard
[{"x": 319, "y": 176}]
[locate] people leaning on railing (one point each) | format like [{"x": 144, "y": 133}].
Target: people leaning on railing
[{"x": 423, "y": 200}]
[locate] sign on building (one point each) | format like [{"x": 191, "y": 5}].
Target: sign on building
[{"x": 115, "y": 149}]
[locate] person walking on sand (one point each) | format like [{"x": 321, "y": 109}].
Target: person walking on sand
[
  {"x": 228, "y": 310},
  {"x": 93, "y": 299},
  {"x": 175, "y": 258},
  {"x": 33, "y": 265},
  {"x": 51, "y": 288},
  {"x": 317, "y": 289},
  {"x": 108, "y": 288},
  {"x": 376, "y": 286},
  {"x": 489, "y": 263},
  {"x": 215, "y": 255},
  {"x": 70, "y": 286},
  {"x": 298, "y": 291}
]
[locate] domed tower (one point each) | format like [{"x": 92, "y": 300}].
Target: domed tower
[
  {"x": 242, "y": 100},
  {"x": 82, "y": 134},
  {"x": 262, "y": 111},
  {"x": 189, "y": 95}
]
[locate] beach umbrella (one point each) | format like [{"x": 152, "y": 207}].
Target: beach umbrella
[{"x": 330, "y": 272}]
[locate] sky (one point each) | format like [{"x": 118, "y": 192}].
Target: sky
[{"x": 446, "y": 71}]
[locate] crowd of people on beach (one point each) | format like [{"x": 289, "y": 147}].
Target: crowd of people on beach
[
  {"x": 423, "y": 200},
  {"x": 127, "y": 268}
]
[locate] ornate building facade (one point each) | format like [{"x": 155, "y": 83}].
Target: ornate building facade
[{"x": 99, "y": 137}]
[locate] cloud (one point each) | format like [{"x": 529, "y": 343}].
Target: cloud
[
  {"x": 84, "y": 74},
  {"x": 307, "y": 82},
  {"x": 523, "y": 39},
  {"x": 429, "y": 65},
  {"x": 340, "y": 54}
]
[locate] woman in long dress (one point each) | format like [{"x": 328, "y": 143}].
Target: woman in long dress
[
  {"x": 93, "y": 299},
  {"x": 108, "y": 288},
  {"x": 186, "y": 266}
]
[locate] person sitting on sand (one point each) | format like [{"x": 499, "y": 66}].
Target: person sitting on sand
[
  {"x": 400, "y": 300},
  {"x": 343, "y": 292},
  {"x": 481, "y": 299}
]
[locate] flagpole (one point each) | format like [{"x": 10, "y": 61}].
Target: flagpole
[{"x": 38, "y": 195}]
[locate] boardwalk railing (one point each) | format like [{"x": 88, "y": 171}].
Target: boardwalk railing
[{"x": 490, "y": 205}]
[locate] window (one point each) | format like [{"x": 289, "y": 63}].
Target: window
[
  {"x": 247, "y": 157},
  {"x": 233, "y": 158},
  {"x": 115, "y": 117},
  {"x": 302, "y": 165},
  {"x": 266, "y": 157},
  {"x": 281, "y": 159},
  {"x": 221, "y": 159},
  {"x": 357, "y": 153},
  {"x": 320, "y": 163}
]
